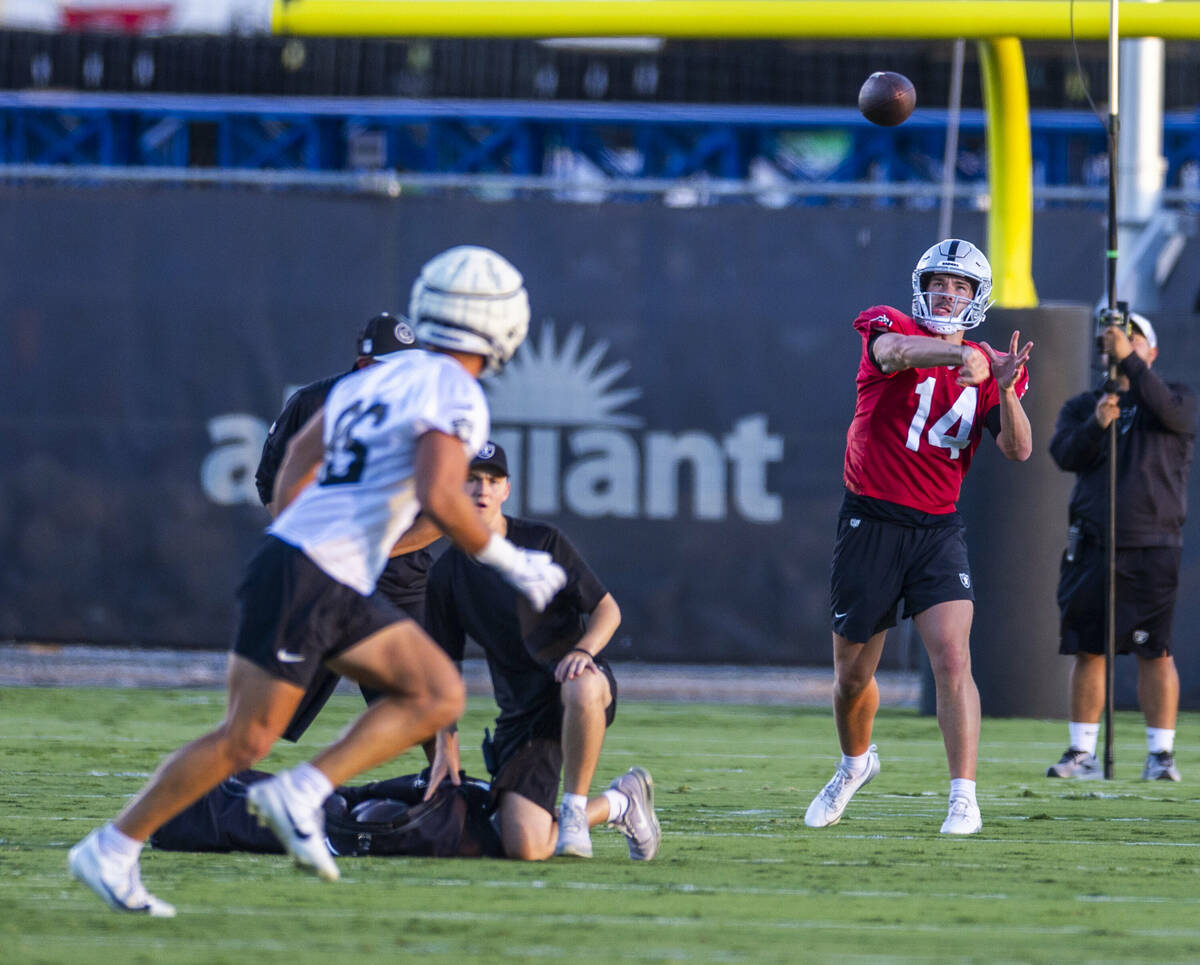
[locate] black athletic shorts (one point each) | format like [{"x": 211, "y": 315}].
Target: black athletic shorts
[
  {"x": 527, "y": 755},
  {"x": 1147, "y": 581},
  {"x": 294, "y": 616},
  {"x": 876, "y": 563}
]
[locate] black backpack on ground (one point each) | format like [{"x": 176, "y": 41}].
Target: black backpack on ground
[{"x": 381, "y": 818}]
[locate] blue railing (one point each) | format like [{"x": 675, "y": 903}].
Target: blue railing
[{"x": 531, "y": 139}]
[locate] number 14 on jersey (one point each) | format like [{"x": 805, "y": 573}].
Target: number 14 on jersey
[{"x": 953, "y": 430}]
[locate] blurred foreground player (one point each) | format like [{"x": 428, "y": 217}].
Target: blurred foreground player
[
  {"x": 924, "y": 397},
  {"x": 1156, "y": 438},
  {"x": 402, "y": 581},
  {"x": 392, "y": 440},
  {"x": 556, "y": 694}
]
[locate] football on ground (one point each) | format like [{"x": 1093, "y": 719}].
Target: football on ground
[{"x": 887, "y": 98}]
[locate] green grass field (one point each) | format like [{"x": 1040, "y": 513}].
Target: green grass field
[{"x": 1062, "y": 872}]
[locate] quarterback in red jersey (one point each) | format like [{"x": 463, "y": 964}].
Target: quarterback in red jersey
[{"x": 925, "y": 395}]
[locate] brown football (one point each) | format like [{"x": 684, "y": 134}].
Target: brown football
[{"x": 887, "y": 98}]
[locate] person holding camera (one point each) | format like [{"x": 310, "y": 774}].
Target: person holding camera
[{"x": 1156, "y": 425}]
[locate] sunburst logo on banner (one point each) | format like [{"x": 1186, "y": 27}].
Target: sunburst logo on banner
[{"x": 562, "y": 385}]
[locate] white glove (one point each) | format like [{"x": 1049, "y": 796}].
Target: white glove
[{"x": 532, "y": 572}]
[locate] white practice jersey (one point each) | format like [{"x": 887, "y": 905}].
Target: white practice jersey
[{"x": 364, "y": 496}]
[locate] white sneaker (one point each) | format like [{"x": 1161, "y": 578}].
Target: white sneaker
[
  {"x": 300, "y": 829},
  {"x": 963, "y": 818},
  {"x": 827, "y": 807},
  {"x": 639, "y": 823},
  {"x": 1160, "y": 766},
  {"x": 573, "y": 837},
  {"x": 119, "y": 886},
  {"x": 1076, "y": 764}
]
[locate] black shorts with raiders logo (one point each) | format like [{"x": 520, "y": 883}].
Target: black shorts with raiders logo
[
  {"x": 1147, "y": 582},
  {"x": 294, "y": 616},
  {"x": 876, "y": 563},
  {"x": 526, "y": 757}
]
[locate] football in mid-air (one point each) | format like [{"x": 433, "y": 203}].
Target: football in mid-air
[{"x": 887, "y": 98}]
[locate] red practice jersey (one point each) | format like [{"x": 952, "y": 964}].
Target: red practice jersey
[{"x": 915, "y": 431}]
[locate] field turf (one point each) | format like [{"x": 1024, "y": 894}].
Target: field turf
[{"x": 1062, "y": 872}]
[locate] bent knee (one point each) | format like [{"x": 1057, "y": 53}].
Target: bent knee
[
  {"x": 526, "y": 851},
  {"x": 246, "y": 746},
  {"x": 587, "y": 690},
  {"x": 519, "y": 845}
]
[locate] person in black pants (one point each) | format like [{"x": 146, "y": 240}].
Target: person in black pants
[
  {"x": 1156, "y": 426},
  {"x": 556, "y": 694}
]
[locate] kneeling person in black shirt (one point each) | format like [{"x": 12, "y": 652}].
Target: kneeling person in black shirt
[{"x": 556, "y": 695}]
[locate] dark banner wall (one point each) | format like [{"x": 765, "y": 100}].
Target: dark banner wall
[{"x": 680, "y": 407}]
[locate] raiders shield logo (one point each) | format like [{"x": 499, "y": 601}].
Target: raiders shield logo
[
  {"x": 404, "y": 334},
  {"x": 965, "y": 579},
  {"x": 1140, "y": 636},
  {"x": 486, "y": 452}
]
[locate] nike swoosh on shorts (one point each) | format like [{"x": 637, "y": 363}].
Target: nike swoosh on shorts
[{"x": 286, "y": 656}]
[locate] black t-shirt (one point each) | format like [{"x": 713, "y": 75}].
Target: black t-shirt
[
  {"x": 465, "y": 598},
  {"x": 1156, "y": 433},
  {"x": 298, "y": 409}
]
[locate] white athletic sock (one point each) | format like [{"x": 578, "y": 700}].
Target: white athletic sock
[
  {"x": 962, "y": 787},
  {"x": 1084, "y": 736},
  {"x": 116, "y": 844},
  {"x": 855, "y": 765},
  {"x": 618, "y": 804},
  {"x": 310, "y": 784},
  {"x": 574, "y": 801},
  {"x": 1159, "y": 739}
]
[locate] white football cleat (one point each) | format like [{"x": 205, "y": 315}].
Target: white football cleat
[
  {"x": 574, "y": 840},
  {"x": 827, "y": 807},
  {"x": 301, "y": 830},
  {"x": 963, "y": 818},
  {"x": 119, "y": 885}
]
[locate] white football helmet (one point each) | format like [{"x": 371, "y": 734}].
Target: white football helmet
[
  {"x": 470, "y": 299},
  {"x": 952, "y": 257}
]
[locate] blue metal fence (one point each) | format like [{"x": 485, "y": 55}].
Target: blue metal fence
[{"x": 807, "y": 145}]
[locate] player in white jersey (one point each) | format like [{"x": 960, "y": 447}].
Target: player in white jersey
[
  {"x": 349, "y": 522},
  {"x": 392, "y": 440}
]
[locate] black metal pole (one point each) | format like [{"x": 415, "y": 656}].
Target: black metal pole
[{"x": 1110, "y": 596}]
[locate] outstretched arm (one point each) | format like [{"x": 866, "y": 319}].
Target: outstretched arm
[
  {"x": 1015, "y": 438},
  {"x": 895, "y": 353},
  {"x": 441, "y": 473},
  {"x": 420, "y": 534}
]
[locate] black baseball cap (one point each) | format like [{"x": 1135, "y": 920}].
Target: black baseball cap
[
  {"x": 384, "y": 334},
  {"x": 492, "y": 459}
]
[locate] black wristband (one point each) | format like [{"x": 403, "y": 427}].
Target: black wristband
[{"x": 591, "y": 656}]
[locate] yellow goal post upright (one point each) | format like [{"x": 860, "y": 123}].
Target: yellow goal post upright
[{"x": 997, "y": 25}]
